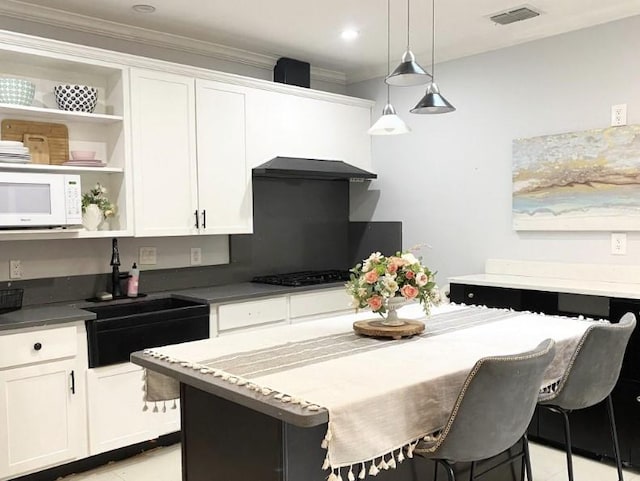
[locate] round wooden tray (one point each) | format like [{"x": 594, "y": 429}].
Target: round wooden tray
[{"x": 375, "y": 328}]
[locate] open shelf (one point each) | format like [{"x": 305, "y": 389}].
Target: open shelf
[
  {"x": 70, "y": 233},
  {"x": 39, "y": 113},
  {"x": 58, "y": 168}
]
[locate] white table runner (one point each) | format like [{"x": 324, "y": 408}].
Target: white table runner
[{"x": 381, "y": 395}]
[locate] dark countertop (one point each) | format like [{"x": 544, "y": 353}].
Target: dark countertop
[{"x": 65, "y": 312}]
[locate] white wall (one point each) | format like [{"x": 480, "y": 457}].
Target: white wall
[{"x": 449, "y": 181}]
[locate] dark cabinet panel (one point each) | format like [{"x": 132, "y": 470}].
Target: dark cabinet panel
[
  {"x": 626, "y": 405},
  {"x": 631, "y": 363},
  {"x": 486, "y": 296}
]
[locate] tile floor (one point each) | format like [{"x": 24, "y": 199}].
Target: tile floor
[{"x": 163, "y": 464}]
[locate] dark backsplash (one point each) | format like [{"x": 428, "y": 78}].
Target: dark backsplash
[{"x": 299, "y": 224}]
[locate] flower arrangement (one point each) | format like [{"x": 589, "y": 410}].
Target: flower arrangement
[
  {"x": 97, "y": 196},
  {"x": 381, "y": 278}
]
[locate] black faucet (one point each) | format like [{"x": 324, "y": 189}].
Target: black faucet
[{"x": 116, "y": 290}]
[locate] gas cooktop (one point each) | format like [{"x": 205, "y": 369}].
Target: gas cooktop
[{"x": 304, "y": 278}]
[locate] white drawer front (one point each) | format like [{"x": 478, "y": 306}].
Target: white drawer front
[
  {"x": 37, "y": 346},
  {"x": 243, "y": 314},
  {"x": 319, "y": 302}
]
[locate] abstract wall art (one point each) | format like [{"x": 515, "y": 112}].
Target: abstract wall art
[{"x": 587, "y": 180}]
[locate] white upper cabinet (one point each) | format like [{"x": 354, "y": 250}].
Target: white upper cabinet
[
  {"x": 292, "y": 125},
  {"x": 224, "y": 182},
  {"x": 189, "y": 180},
  {"x": 164, "y": 153},
  {"x": 102, "y": 131}
]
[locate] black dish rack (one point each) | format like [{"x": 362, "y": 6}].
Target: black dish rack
[{"x": 10, "y": 300}]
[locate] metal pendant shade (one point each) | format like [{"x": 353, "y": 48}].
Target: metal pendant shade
[
  {"x": 409, "y": 72},
  {"x": 433, "y": 102},
  {"x": 389, "y": 123}
]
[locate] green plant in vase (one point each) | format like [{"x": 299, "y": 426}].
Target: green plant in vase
[{"x": 96, "y": 207}]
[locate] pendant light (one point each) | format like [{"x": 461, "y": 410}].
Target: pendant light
[
  {"x": 433, "y": 102},
  {"x": 389, "y": 123},
  {"x": 409, "y": 72}
]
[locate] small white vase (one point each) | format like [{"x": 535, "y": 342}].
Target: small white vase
[
  {"x": 92, "y": 217},
  {"x": 391, "y": 318}
]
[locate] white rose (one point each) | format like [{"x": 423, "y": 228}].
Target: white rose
[
  {"x": 422, "y": 279},
  {"x": 389, "y": 285},
  {"x": 410, "y": 258}
]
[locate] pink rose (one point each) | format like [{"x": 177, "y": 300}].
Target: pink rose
[
  {"x": 422, "y": 279},
  {"x": 392, "y": 268},
  {"x": 409, "y": 274},
  {"x": 409, "y": 291},
  {"x": 375, "y": 303},
  {"x": 371, "y": 277}
]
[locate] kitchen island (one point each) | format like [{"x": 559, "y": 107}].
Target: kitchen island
[{"x": 265, "y": 404}]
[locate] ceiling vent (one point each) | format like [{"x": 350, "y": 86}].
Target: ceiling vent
[{"x": 512, "y": 16}]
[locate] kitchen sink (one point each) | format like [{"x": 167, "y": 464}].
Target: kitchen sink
[
  {"x": 140, "y": 307},
  {"x": 121, "y": 329}
]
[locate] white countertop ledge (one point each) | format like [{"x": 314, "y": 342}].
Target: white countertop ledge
[{"x": 571, "y": 286}]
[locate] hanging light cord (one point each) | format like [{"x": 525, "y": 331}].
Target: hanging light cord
[
  {"x": 408, "y": 21},
  {"x": 388, "y": 44},
  {"x": 433, "y": 40}
]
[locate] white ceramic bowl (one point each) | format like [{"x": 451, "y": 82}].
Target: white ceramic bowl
[
  {"x": 76, "y": 98},
  {"x": 16, "y": 91},
  {"x": 83, "y": 154}
]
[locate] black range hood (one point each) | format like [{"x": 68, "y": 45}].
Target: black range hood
[{"x": 298, "y": 168}]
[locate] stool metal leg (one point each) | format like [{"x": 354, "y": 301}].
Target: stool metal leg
[
  {"x": 471, "y": 470},
  {"x": 526, "y": 457},
  {"x": 614, "y": 436},
  {"x": 567, "y": 441},
  {"x": 450, "y": 474},
  {"x": 435, "y": 471}
]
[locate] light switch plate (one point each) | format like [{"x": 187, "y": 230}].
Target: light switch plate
[
  {"x": 147, "y": 256},
  {"x": 619, "y": 244},
  {"x": 196, "y": 256}
]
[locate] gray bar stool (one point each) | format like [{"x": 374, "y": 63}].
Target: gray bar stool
[
  {"x": 492, "y": 411},
  {"x": 592, "y": 374}
]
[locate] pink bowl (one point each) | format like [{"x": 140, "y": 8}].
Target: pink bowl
[{"x": 83, "y": 154}]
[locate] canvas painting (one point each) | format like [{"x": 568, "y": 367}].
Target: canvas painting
[{"x": 587, "y": 180}]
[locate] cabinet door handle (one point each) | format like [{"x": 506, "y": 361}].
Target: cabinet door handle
[
  {"x": 37, "y": 346},
  {"x": 470, "y": 295},
  {"x": 197, "y": 214},
  {"x": 204, "y": 218},
  {"x": 73, "y": 382},
  {"x": 638, "y": 399}
]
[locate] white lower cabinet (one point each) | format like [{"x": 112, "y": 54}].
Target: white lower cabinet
[
  {"x": 276, "y": 310},
  {"x": 42, "y": 411},
  {"x": 319, "y": 303},
  {"x": 115, "y": 402}
]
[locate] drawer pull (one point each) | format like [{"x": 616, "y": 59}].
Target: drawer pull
[
  {"x": 470, "y": 295},
  {"x": 638, "y": 399},
  {"x": 37, "y": 346}
]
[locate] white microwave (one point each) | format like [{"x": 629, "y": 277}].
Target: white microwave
[{"x": 39, "y": 200}]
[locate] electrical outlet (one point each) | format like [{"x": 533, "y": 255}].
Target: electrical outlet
[
  {"x": 618, "y": 115},
  {"x": 147, "y": 256},
  {"x": 618, "y": 244},
  {"x": 15, "y": 269},
  {"x": 196, "y": 256}
]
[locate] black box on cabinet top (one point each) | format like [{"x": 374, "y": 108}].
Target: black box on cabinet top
[{"x": 292, "y": 72}]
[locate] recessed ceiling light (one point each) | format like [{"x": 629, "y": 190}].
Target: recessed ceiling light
[
  {"x": 349, "y": 34},
  {"x": 142, "y": 8}
]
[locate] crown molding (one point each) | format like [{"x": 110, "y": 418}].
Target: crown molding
[{"x": 95, "y": 26}]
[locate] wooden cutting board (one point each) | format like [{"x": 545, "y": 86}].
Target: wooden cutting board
[
  {"x": 38, "y": 146},
  {"x": 57, "y": 136}
]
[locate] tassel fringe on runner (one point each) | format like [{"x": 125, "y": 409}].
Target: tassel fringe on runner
[{"x": 389, "y": 460}]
